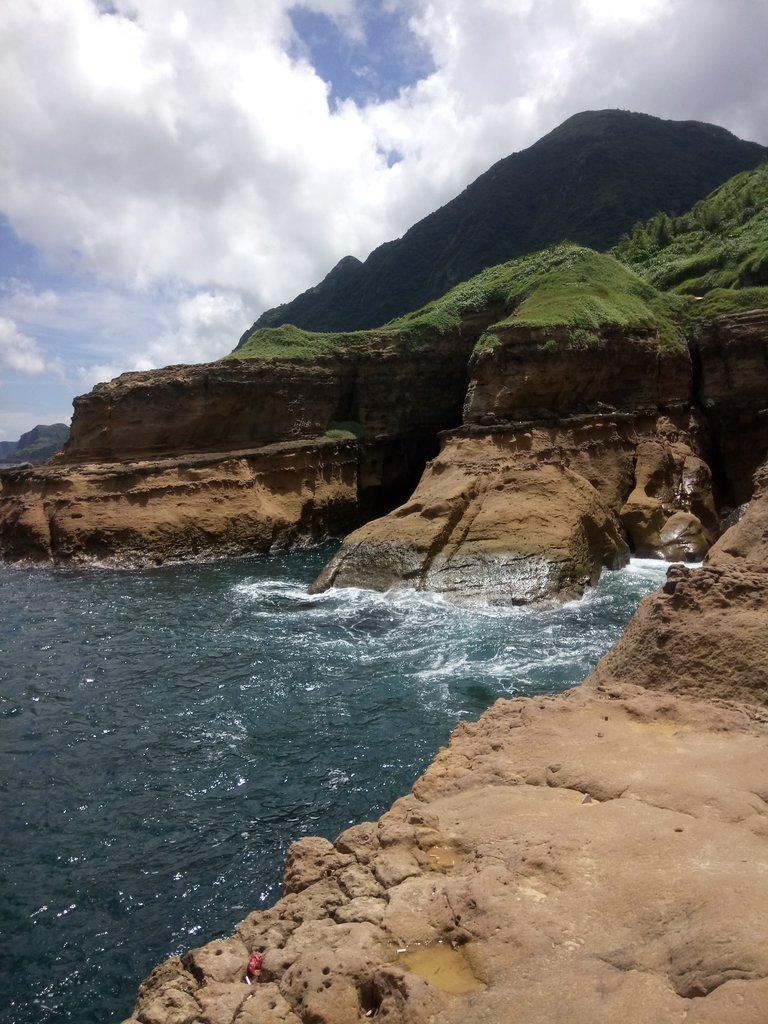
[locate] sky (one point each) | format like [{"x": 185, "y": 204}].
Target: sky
[{"x": 171, "y": 168}]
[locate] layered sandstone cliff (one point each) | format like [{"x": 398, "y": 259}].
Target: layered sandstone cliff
[
  {"x": 730, "y": 362},
  {"x": 570, "y": 448},
  {"x": 622, "y": 436},
  {"x": 596, "y": 856},
  {"x": 238, "y": 456},
  {"x": 134, "y": 513}
]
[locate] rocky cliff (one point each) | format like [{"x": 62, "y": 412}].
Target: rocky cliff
[
  {"x": 204, "y": 506},
  {"x": 596, "y": 856},
  {"x": 559, "y": 447},
  {"x": 237, "y": 457},
  {"x": 573, "y": 443}
]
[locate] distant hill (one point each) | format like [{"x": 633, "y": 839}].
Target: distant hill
[
  {"x": 589, "y": 181},
  {"x": 37, "y": 445}
]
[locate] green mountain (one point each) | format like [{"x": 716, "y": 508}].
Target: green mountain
[
  {"x": 717, "y": 252},
  {"x": 589, "y": 181},
  {"x": 37, "y": 445},
  {"x": 667, "y": 272},
  {"x": 575, "y": 289}
]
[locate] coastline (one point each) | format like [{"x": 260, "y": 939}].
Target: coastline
[
  {"x": 582, "y": 853},
  {"x": 597, "y": 855}
]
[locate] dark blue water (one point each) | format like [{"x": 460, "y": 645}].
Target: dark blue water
[{"x": 164, "y": 735}]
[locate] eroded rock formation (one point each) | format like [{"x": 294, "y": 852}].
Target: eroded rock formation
[
  {"x": 500, "y": 518},
  {"x": 568, "y": 446},
  {"x": 237, "y": 457},
  {"x": 134, "y": 513},
  {"x": 730, "y": 360}
]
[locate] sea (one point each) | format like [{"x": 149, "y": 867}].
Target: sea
[{"x": 165, "y": 734}]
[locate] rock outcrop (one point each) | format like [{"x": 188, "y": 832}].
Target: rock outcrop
[
  {"x": 237, "y": 457},
  {"x": 730, "y": 360},
  {"x": 600, "y": 855},
  {"x": 245, "y": 403},
  {"x": 547, "y": 373},
  {"x": 560, "y": 445},
  {"x": 150, "y": 511},
  {"x": 671, "y": 511},
  {"x": 496, "y": 518},
  {"x": 705, "y": 631},
  {"x": 568, "y": 445}
]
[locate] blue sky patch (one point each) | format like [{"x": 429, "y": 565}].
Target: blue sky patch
[{"x": 373, "y": 68}]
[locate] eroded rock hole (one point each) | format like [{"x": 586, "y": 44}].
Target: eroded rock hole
[{"x": 370, "y": 999}]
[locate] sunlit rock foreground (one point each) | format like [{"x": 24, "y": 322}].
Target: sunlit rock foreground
[{"x": 597, "y": 856}]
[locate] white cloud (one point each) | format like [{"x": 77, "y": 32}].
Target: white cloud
[
  {"x": 182, "y": 141},
  {"x": 183, "y": 153},
  {"x": 207, "y": 325},
  {"x": 18, "y": 351}
]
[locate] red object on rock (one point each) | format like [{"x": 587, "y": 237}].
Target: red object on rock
[{"x": 255, "y": 961}]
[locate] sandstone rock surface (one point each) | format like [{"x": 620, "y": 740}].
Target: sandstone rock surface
[
  {"x": 490, "y": 520},
  {"x": 541, "y": 373},
  {"x": 596, "y": 856},
  {"x": 730, "y": 358},
  {"x": 246, "y": 403},
  {"x": 671, "y": 510},
  {"x": 706, "y": 630},
  {"x": 238, "y": 456},
  {"x": 205, "y": 506},
  {"x": 529, "y": 513}
]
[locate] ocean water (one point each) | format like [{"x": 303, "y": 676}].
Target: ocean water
[{"x": 165, "y": 734}]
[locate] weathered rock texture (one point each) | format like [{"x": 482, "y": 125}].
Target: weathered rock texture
[
  {"x": 233, "y": 457},
  {"x": 499, "y": 518},
  {"x": 706, "y": 631},
  {"x": 571, "y": 448},
  {"x": 730, "y": 359},
  {"x": 524, "y": 513},
  {"x": 543, "y": 373},
  {"x": 671, "y": 510},
  {"x": 198, "y": 506},
  {"x": 237, "y": 404},
  {"x": 597, "y": 856},
  {"x": 519, "y": 506}
]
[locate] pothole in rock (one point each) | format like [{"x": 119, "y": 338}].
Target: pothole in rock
[
  {"x": 447, "y": 968},
  {"x": 443, "y": 858}
]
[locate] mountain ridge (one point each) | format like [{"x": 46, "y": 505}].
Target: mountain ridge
[
  {"x": 36, "y": 445},
  {"x": 589, "y": 181}
]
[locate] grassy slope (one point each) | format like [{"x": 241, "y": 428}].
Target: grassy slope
[
  {"x": 711, "y": 260},
  {"x": 564, "y": 285},
  {"x": 718, "y": 250},
  {"x": 586, "y": 292}
]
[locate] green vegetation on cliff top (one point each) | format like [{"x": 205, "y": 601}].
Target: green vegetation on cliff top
[
  {"x": 668, "y": 272},
  {"x": 564, "y": 286},
  {"x": 585, "y": 293},
  {"x": 717, "y": 251}
]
